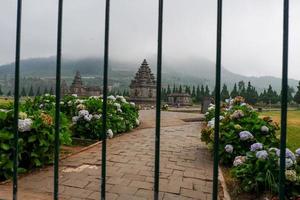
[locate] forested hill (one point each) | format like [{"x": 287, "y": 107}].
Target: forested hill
[{"x": 186, "y": 72}]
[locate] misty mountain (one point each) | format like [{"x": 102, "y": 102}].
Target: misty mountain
[{"x": 188, "y": 72}]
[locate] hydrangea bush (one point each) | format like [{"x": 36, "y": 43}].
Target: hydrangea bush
[
  {"x": 79, "y": 118},
  {"x": 249, "y": 145},
  {"x": 240, "y": 127},
  {"x": 36, "y": 140},
  {"x": 121, "y": 116}
]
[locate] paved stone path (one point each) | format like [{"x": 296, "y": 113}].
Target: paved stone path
[{"x": 185, "y": 166}]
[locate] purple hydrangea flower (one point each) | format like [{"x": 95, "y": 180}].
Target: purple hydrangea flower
[
  {"x": 256, "y": 146},
  {"x": 298, "y": 153},
  {"x": 263, "y": 154},
  {"x": 288, "y": 154},
  {"x": 245, "y": 135},
  {"x": 229, "y": 148}
]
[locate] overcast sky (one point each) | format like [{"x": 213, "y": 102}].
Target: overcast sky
[{"x": 252, "y": 31}]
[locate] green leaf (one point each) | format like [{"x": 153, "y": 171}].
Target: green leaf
[
  {"x": 4, "y": 146},
  {"x": 32, "y": 138}
]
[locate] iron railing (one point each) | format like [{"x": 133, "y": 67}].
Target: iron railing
[{"x": 158, "y": 101}]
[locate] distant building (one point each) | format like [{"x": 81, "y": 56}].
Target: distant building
[
  {"x": 78, "y": 88},
  {"x": 143, "y": 86},
  {"x": 180, "y": 99}
]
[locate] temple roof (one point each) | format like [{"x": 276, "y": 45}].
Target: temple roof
[
  {"x": 77, "y": 80},
  {"x": 144, "y": 77}
]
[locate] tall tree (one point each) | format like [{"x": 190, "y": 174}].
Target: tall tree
[
  {"x": 180, "y": 89},
  {"x": 169, "y": 90},
  {"x": 251, "y": 94},
  {"x": 194, "y": 92},
  {"x": 234, "y": 92},
  {"x": 51, "y": 91},
  {"x": 23, "y": 92},
  {"x": 207, "y": 92},
  {"x": 38, "y": 92},
  {"x": 198, "y": 94},
  {"x": 46, "y": 90},
  {"x": 297, "y": 95},
  {"x": 1, "y": 92},
  {"x": 31, "y": 93},
  {"x": 224, "y": 93}
]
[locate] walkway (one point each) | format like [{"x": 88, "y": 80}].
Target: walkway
[{"x": 185, "y": 166}]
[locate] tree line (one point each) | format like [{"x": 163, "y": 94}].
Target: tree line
[{"x": 248, "y": 91}]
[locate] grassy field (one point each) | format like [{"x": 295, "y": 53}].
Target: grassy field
[{"x": 293, "y": 127}]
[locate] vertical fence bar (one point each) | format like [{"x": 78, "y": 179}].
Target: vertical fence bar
[
  {"x": 284, "y": 96},
  {"x": 58, "y": 96},
  {"x": 158, "y": 99},
  {"x": 104, "y": 109},
  {"x": 217, "y": 102},
  {"x": 16, "y": 100}
]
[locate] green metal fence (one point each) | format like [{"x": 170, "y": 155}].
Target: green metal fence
[{"x": 158, "y": 97}]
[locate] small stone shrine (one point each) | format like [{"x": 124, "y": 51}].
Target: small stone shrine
[
  {"x": 180, "y": 99},
  {"x": 143, "y": 86},
  {"x": 78, "y": 88},
  {"x": 205, "y": 104}
]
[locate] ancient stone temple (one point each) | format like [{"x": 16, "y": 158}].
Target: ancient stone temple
[
  {"x": 180, "y": 99},
  {"x": 78, "y": 88},
  {"x": 143, "y": 86}
]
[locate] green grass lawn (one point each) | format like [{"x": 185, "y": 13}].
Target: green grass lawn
[{"x": 293, "y": 127}]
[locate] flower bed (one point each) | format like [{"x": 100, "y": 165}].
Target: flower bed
[
  {"x": 249, "y": 146},
  {"x": 80, "y": 118}
]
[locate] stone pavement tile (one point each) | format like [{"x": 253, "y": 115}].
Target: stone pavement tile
[
  {"x": 195, "y": 194},
  {"x": 148, "y": 194},
  {"x": 134, "y": 177},
  {"x": 169, "y": 196},
  {"x": 170, "y": 188},
  {"x": 119, "y": 189},
  {"x": 118, "y": 181},
  {"x": 76, "y": 192},
  {"x": 109, "y": 196},
  {"x": 75, "y": 183},
  {"x": 130, "y": 197},
  {"x": 141, "y": 185}
]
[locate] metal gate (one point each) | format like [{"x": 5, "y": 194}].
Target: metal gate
[{"x": 158, "y": 97}]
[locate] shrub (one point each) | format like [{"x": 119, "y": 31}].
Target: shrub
[
  {"x": 36, "y": 140},
  {"x": 236, "y": 120},
  {"x": 121, "y": 117}
]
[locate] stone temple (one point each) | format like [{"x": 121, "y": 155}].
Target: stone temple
[
  {"x": 78, "y": 88},
  {"x": 143, "y": 86}
]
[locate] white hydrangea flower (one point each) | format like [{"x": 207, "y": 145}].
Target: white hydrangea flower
[
  {"x": 117, "y": 105},
  {"x": 74, "y": 95},
  {"x": 75, "y": 119},
  {"x": 264, "y": 129},
  {"x": 229, "y": 148},
  {"x": 119, "y": 110},
  {"x": 41, "y": 106},
  {"x": 83, "y": 113},
  {"x": 137, "y": 121},
  {"x": 25, "y": 125},
  {"x": 61, "y": 103},
  {"x": 132, "y": 103},
  {"x": 207, "y": 113},
  {"x": 211, "y": 123},
  {"x": 121, "y": 98},
  {"x": 70, "y": 103},
  {"x": 110, "y": 134},
  {"x": 111, "y": 97},
  {"x": 97, "y": 116},
  {"x": 47, "y": 95},
  {"x": 210, "y": 108},
  {"x": 88, "y": 118},
  {"x": 47, "y": 101}
]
